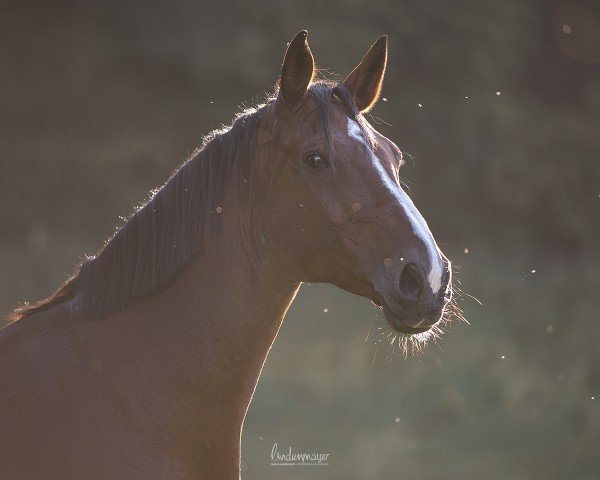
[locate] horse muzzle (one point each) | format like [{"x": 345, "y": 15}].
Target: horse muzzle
[{"x": 412, "y": 307}]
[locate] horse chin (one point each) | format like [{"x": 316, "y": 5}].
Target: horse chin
[
  {"x": 398, "y": 321},
  {"x": 399, "y": 326}
]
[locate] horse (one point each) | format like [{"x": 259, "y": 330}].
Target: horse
[{"x": 142, "y": 365}]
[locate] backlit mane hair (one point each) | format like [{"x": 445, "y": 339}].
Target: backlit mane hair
[{"x": 167, "y": 232}]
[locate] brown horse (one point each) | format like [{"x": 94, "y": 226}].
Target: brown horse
[{"x": 143, "y": 364}]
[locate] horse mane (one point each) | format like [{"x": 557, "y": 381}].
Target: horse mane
[{"x": 166, "y": 233}]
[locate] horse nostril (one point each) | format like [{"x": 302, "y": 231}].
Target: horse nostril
[{"x": 410, "y": 282}]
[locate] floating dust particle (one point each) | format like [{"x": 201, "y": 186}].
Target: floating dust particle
[
  {"x": 397, "y": 419},
  {"x": 567, "y": 29},
  {"x": 356, "y": 206},
  {"x": 388, "y": 262},
  {"x": 219, "y": 209},
  {"x": 325, "y": 310},
  {"x": 549, "y": 328},
  {"x": 466, "y": 250}
]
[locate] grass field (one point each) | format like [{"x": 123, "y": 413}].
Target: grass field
[{"x": 512, "y": 396}]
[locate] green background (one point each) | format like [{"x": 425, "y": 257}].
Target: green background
[{"x": 100, "y": 101}]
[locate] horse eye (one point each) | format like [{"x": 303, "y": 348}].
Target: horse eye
[{"x": 316, "y": 161}]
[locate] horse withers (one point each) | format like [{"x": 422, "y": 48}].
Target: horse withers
[{"x": 143, "y": 364}]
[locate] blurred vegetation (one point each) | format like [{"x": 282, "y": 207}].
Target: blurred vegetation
[{"x": 499, "y": 105}]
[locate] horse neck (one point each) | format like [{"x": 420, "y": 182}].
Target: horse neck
[{"x": 199, "y": 347}]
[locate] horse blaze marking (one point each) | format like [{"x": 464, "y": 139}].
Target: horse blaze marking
[{"x": 418, "y": 223}]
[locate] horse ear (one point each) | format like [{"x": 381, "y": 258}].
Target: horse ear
[
  {"x": 364, "y": 82},
  {"x": 297, "y": 71}
]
